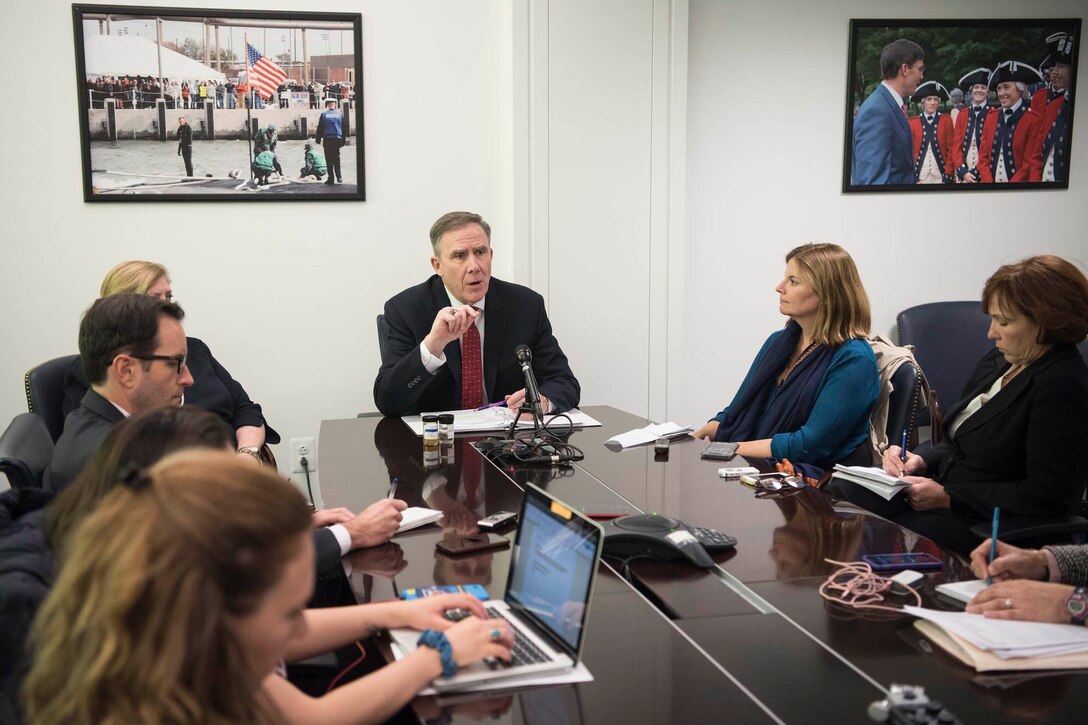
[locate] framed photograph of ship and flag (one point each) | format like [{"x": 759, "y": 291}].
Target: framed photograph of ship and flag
[{"x": 188, "y": 104}]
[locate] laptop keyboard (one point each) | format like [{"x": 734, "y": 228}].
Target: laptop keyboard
[{"x": 524, "y": 652}]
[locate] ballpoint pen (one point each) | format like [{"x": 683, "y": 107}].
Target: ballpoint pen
[
  {"x": 903, "y": 454},
  {"x": 393, "y": 489},
  {"x": 492, "y": 405},
  {"x": 993, "y": 545}
]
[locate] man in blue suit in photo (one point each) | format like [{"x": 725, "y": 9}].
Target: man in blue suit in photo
[{"x": 882, "y": 152}]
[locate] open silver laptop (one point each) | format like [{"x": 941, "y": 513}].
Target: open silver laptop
[{"x": 552, "y": 571}]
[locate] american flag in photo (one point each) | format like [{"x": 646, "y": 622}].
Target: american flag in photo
[{"x": 263, "y": 74}]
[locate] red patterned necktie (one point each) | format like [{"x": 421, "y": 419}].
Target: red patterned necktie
[
  {"x": 472, "y": 371},
  {"x": 904, "y": 107}
]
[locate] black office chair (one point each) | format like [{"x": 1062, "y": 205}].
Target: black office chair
[
  {"x": 949, "y": 339},
  {"x": 1028, "y": 532},
  {"x": 25, "y": 451},
  {"x": 381, "y": 351},
  {"x": 903, "y": 404},
  {"x": 381, "y": 335},
  {"x": 44, "y": 385}
]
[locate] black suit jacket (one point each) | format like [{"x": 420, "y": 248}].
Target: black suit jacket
[
  {"x": 84, "y": 430},
  {"x": 1024, "y": 450},
  {"x": 513, "y": 315},
  {"x": 327, "y": 554}
]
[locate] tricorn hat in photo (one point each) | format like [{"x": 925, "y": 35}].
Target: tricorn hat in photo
[
  {"x": 1060, "y": 47},
  {"x": 1014, "y": 70},
  {"x": 931, "y": 88},
  {"x": 979, "y": 76}
]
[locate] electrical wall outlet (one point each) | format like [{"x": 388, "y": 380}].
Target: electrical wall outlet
[{"x": 303, "y": 447}]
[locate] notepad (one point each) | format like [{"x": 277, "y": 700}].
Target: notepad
[
  {"x": 871, "y": 478},
  {"x": 416, "y": 516},
  {"x": 962, "y": 591},
  {"x": 649, "y": 433}
]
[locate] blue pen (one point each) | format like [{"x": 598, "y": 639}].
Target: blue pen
[
  {"x": 903, "y": 453},
  {"x": 393, "y": 488},
  {"x": 993, "y": 545},
  {"x": 499, "y": 404}
]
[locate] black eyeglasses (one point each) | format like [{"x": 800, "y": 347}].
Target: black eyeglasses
[{"x": 178, "y": 360}]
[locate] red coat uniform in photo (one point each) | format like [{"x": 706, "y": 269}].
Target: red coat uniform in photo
[
  {"x": 968, "y": 129},
  {"x": 1019, "y": 147},
  {"x": 924, "y": 133},
  {"x": 1055, "y": 135}
]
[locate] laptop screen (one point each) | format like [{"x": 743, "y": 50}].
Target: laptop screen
[{"x": 552, "y": 569}]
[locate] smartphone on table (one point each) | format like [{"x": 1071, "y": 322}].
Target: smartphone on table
[
  {"x": 471, "y": 544},
  {"x": 895, "y": 562}
]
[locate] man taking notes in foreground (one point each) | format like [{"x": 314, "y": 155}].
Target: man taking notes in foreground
[
  {"x": 450, "y": 341},
  {"x": 882, "y": 140}
]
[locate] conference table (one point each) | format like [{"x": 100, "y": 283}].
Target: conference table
[{"x": 750, "y": 640}]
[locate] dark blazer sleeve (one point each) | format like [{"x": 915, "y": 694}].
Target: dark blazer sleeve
[
  {"x": 1027, "y": 456},
  {"x": 222, "y": 394},
  {"x": 402, "y": 379},
  {"x": 554, "y": 377},
  {"x": 327, "y": 553}
]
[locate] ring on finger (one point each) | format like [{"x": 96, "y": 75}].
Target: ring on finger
[
  {"x": 496, "y": 634},
  {"x": 1008, "y": 602}
]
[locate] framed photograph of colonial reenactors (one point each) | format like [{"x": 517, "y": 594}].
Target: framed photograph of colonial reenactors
[{"x": 960, "y": 105}]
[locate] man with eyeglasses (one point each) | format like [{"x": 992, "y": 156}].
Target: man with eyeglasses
[{"x": 133, "y": 348}]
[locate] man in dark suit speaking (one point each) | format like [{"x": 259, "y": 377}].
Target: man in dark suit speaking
[
  {"x": 882, "y": 144},
  {"x": 450, "y": 341}
]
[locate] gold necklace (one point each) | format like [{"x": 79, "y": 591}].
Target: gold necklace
[{"x": 795, "y": 362}]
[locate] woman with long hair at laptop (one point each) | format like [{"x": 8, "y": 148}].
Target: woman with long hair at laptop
[
  {"x": 808, "y": 394},
  {"x": 183, "y": 594}
]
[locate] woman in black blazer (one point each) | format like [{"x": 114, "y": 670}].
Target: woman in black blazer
[{"x": 1018, "y": 439}]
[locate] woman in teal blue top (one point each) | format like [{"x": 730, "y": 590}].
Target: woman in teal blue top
[{"x": 808, "y": 394}]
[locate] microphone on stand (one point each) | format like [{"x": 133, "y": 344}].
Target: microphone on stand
[{"x": 532, "y": 394}]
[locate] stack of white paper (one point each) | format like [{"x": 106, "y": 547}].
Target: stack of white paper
[
  {"x": 1009, "y": 639},
  {"x": 871, "y": 478},
  {"x": 415, "y": 516},
  {"x": 498, "y": 418},
  {"x": 650, "y": 433}
]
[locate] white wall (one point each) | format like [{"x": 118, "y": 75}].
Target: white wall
[
  {"x": 568, "y": 124},
  {"x": 285, "y": 294},
  {"x": 598, "y": 140},
  {"x": 767, "y": 84}
]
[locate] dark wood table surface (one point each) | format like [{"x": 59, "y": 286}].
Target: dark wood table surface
[
  {"x": 645, "y": 669},
  {"x": 677, "y": 642}
]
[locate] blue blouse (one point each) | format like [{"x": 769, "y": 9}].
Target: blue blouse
[{"x": 839, "y": 421}]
